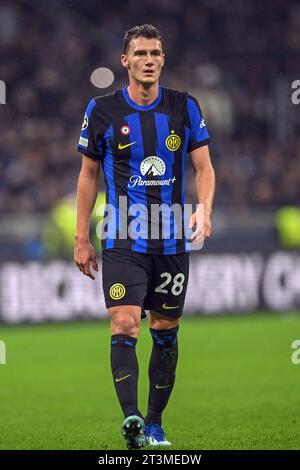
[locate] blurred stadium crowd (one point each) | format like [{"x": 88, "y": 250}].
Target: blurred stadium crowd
[{"x": 235, "y": 57}]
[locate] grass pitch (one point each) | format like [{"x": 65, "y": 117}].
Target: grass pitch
[{"x": 236, "y": 385}]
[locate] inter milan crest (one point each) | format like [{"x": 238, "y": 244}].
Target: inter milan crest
[
  {"x": 173, "y": 142},
  {"x": 125, "y": 130},
  {"x": 117, "y": 291}
]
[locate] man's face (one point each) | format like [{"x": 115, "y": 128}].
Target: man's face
[{"x": 144, "y": 60}]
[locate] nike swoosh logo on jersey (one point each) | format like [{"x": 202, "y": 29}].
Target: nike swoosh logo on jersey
[
  {"x": 167, "y": 307},
  {"x": 123, "y": 378},
  {"x": 121, "y": 147},
  {"x": 162, "y": 386}
]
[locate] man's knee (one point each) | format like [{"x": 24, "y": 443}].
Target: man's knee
[
  {"x": 160, "y": 322},
  {"x": 125, "y": 320}
]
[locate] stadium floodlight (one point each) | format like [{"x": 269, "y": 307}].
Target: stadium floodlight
[{"x": 102, "y": 77}]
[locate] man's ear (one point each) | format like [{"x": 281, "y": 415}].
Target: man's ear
[{"x": 124, "y": 61}]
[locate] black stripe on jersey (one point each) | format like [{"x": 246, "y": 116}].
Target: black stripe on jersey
[
  {"x": 121, "y": 177},
  {"x": 175, "y": 124},
  {"x": 153, "y": 192}
]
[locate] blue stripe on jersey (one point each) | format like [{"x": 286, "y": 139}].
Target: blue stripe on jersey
[
  {"x": 185, "y": 219},
  {"x": 137, "y": 194},
  {"x": 198, "y": 133},
  {"x": 108, "y": 168},
  {"x": 163, "y": 131}
]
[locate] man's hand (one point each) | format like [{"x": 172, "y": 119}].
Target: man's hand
[
  {"x": 84, "y": 253},
  {"x": 201, "y": 219}
]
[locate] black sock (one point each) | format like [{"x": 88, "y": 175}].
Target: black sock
[
  {"x": 162, "y": 369},
  {"x": 125, "y": 371}
]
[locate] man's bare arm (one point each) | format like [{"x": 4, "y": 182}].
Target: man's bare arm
[
  {"x": 87, "y": 190},
  {"x": 205, "y": 187}
]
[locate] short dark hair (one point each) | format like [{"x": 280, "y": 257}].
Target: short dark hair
[{"x": 145, "y": 31}]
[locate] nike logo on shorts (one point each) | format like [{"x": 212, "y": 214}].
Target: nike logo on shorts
[{"x": 167, "y": 307}]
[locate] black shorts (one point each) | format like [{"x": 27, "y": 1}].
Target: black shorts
[{"x": 154, "y": 282}]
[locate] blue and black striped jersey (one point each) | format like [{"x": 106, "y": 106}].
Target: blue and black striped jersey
[{"x": 143, "y": 152}]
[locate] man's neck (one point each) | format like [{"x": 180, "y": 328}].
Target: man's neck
[{"x": 141, "y": 95}]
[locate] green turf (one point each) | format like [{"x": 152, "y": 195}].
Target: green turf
[{"x": 236, "y": 386}]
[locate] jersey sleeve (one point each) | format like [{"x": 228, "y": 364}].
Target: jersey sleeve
[
  {"x": 90, "y": 141},
  {"x": 198, "y": 131}
]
